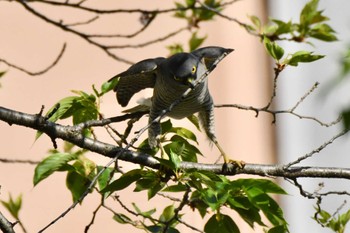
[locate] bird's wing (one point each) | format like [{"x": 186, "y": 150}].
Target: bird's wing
[
  {"x": 139, "y": 76},
  {"x": 210, "y": 54}
]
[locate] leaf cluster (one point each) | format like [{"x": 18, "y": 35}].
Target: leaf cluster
[
  {"x": 336, "y": 223},
  {"x": 194, "y": 15},
  {"x": 311, "y": 25}
]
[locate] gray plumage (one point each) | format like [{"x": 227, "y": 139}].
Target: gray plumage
[{"x": 170, "y": 78}]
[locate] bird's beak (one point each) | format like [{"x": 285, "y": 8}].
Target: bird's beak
[{"x": 190, "y": 82}]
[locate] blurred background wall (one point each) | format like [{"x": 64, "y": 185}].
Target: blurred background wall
[
  {"x": 244, "y": 77},
  {"x": 295, "y": 137}
]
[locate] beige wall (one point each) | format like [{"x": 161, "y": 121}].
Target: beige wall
[{"x": 241, "y": 78}]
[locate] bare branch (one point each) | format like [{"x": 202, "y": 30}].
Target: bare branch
[
  {"x": 68, "y": 29},
  {"x": 34, "y": 73},
  {"x": 274, "y": 113},
  {"x": 218, "y": 13},
  {"x": 94, "y": 213},
  {"x": 83, "y": 23},
  {"x": 74, "y": 135},
  {"x": 317, "y": 150},
  {"x": 305, "y": 96},
  {"x": 160, "y": 39},
  {"x": 31, "y": 162}
]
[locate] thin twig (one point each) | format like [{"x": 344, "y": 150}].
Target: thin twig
[
  {"x": 35, "y": 73},
  {"x": 305, "y": 96},
  {"x": 31, "y": 162},
  {"x": 317, "y": 150},
  {"x": 94, "y": 213}
]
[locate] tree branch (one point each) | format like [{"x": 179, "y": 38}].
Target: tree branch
[
  {"x": 5, "y": 225},
  {"x": 73, "y": 134},
  {"x": 33, "y": 73}
]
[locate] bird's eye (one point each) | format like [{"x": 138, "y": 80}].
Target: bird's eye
[{"x": 193, "y": 69}]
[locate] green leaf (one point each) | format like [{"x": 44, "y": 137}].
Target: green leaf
[
  {"x": 174, "y": 158},
  {"x": 167, "y": 214},
  {"x": 310, "y": 15},
  {"x": 144, "y": 213},
  {"x": 85, "y": 167},
  {"x": 77, "y": 184},
  {"x": 51, "y": 164},
  {"x": 155, "y": 228},
  {"x": 82, "y": 108},
  {"x": 79, "y": 179},
  {"x": 248, "y": 212},
  {"x": 166, "y": 126},
  {"x": 195, "y": 121},
  {"x": 13, "y": 206},
  {"x": 176, "y": 188},
  {"x": 175, "y": 48},
  {"x": 344, "y": 218},
  {"x": 180, "y": 13},
  {"x": 278, "y": 229},
  {"x": 185, "y": 133},
  {"x": 264, "y": 185},
  {"x": 223, "y": 225},
  {"x": 59, "y": 110},
  {"x": 323, "y": 32},
  {"x": 195, "y": 41},
  {"x": 273, "y": 49},
  {"x": 256, "y": 22},
  {"x": 108, "y": 86},
  {"x": 302, "y": 56},
  {"x": 104, "y": 177},
  {"x": 154, "y": 189},
  {"x": 214, "y": 199},
  {"x": 283, "y": 27},
  {"x": 122, "y": 218},
  {"x": 124, "y": 181},
  {"x": 182, "y": 148},
  {"x": 269, "y": 207}
]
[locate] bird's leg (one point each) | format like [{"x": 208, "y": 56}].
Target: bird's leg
[
  {"x": 206, "y": 118},
  {"x": 227, "y": 159}
]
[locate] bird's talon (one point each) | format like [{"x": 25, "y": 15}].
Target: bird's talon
[{"x": 236, "y": 163}]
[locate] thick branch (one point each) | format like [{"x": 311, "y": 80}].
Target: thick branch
[
  {"x": 5, "y": 225},
  {"x": 73, "y": 134}
]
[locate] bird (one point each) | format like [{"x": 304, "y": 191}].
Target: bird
[{"x": 170, "y": 78}]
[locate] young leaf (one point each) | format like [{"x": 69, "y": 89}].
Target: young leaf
[
  {"x": 302, "y": 56},
  {"x": 144, "y": 213},
  {"x": 122, "y": 218},
  {"x": 223, "y": 225},
  {"x": 13, "y": 206},
  {"x": 273, "y": 49},
  {"x": 51, "y": 164},
  {"x": 323, "y": 32},
  {"x": 168, "y": 213},
  {"x": 108, "y": 86},
  {"x": 196, "y": 41},
  {"x": 256, "y": 22}
]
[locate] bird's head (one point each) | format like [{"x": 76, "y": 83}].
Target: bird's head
[{"x": 185, "y": 68}]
